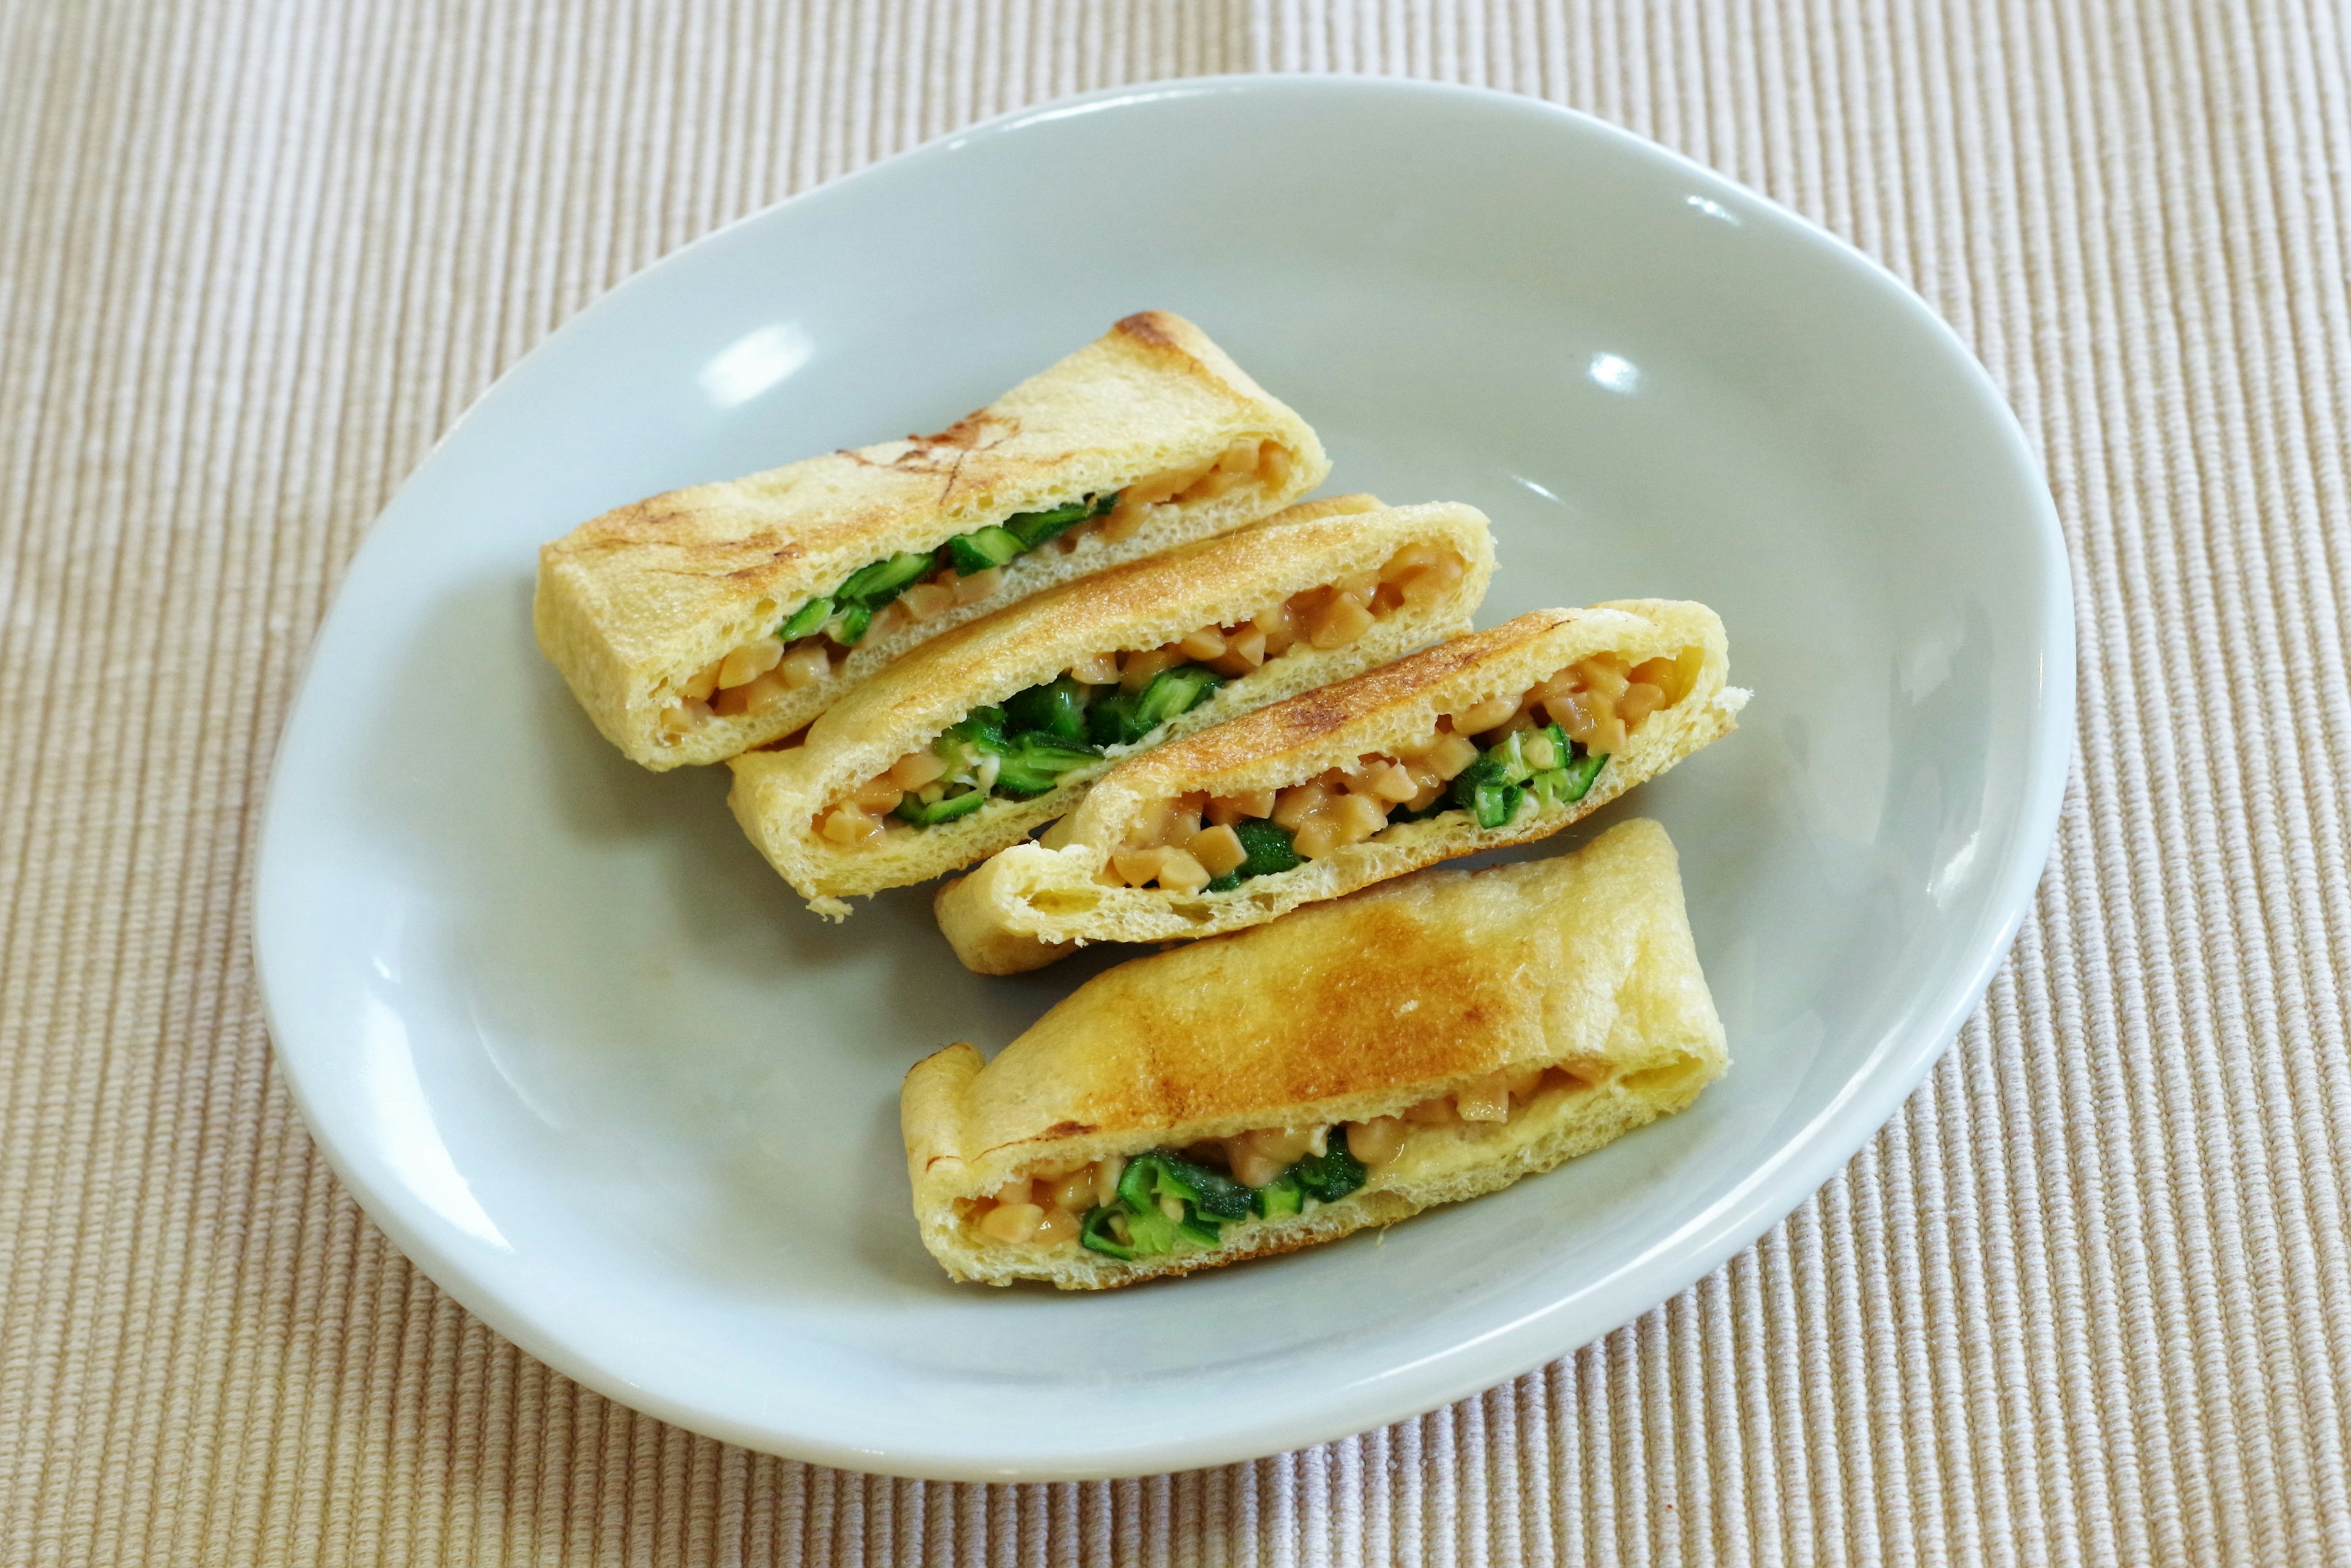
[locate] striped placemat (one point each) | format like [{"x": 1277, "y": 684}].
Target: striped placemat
[{"x": 2086, "y": 1300}]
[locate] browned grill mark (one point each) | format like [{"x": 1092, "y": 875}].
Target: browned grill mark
[{"x": 1143, "y": 328}]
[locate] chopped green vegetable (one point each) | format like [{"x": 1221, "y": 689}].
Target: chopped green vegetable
[
  {"x": 1057, "y": 708},
  {"x": 1172, "y": 692},
  {"x": 1554, "y": 748},
  {"x": 1096, "y": 1232},
  {"x": 1138, "y": 1184},
  {"x": 983, "y": 548},
  {"x": 1034, "y": 529},
  {"x": 1571, "y": 779},
  {"x": 1484, "y": 789},
  {"x": 1164, "y": 1199},
  {"x": 1044, "y": 732},
  {"x": 1492, "y": 788},
  {"x": 1148, "y": 1229},
  {"x": 1281, "y": 1195},
  {"x": 946, "y": 808},
  {"x": 876, "y": 585},
  {"x": 1267, "y": 844},
  {"x": 1109, "y": 720},
  {"x": 1122, "y": 718},
  {"x": 848, "y": 628},
  {"x": 1151, "y": 1233},
  {"x": 1510, "y": 752},
  {"x": 1218, "y": 1196},
  {"x": 1031, "y": 761},
  {"x": 1493, "y": 805},
  {"x": 1149, "y": 1177},
  {"x": 805, "y": 621},
  {"x": 1402, "y": 814},
  {"x": 1034, "y": 763},
  {"x": 983, "y": 726},
  {"x": 1581, "y": 774},
  {"x": 1204, "y": 1199},
  {"x": 847, "y": 612},
  {"x": 1333, "y": 1174}
]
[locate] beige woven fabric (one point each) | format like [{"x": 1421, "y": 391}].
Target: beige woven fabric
[{"x": 2088, "y": 1298}]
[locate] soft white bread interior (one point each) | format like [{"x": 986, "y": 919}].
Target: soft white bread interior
[
  {"x": 1031, "y": 905},
  {"x": 1350, "y": 1011},
  {"x": 632, "y": 602},
  {"x": 1145, "y": 604}
]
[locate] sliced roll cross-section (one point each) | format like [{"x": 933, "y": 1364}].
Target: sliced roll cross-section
[
  {"x": 703, "y": 622},
  {"x": 975, "y": 739},
  {"x": 1412, "y": 1045},
  {"x": 1493, "y": 738}
]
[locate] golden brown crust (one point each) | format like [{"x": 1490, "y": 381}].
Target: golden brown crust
[
  {"x": 1029, "y": 906},
  {"x": 1144, "y": 604},
  {"x": 1346, "y": 1011},
  {"x": 652, "y": 590}
]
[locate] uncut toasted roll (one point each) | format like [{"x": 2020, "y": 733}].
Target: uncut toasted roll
[
  {"x": 703, "y": 622},
  {"x": 966, "y": 744},
  {"x": 1416, "y": 1044},
  {"x": 1493, "y": 738}
]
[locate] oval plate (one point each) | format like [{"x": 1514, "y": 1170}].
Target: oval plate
[{"x": 591, "y": 1066}]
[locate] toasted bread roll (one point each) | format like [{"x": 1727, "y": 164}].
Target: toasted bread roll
[
  {"x": 702, "y": 622},
  {"x": 1418, "y": 1044},
  {"x": 971, "y": 740},
  {"x": 1493, "y": 738}
]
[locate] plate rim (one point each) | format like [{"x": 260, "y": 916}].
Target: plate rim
[{"x": 1798, "y": 1164}]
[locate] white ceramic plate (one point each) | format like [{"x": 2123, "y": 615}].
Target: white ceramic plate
[{"x": 593, "y": 1068}]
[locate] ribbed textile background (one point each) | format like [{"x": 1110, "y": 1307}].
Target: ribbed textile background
[{"x": 2086, "y": 1300}]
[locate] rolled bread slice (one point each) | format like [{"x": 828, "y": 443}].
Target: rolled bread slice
[
  {"x": 700, "y": 624},
  {"x": 1416, "y": 1044},
  {"x": 903, "y": 780},
  {"x": 1308, "y": 788}
]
